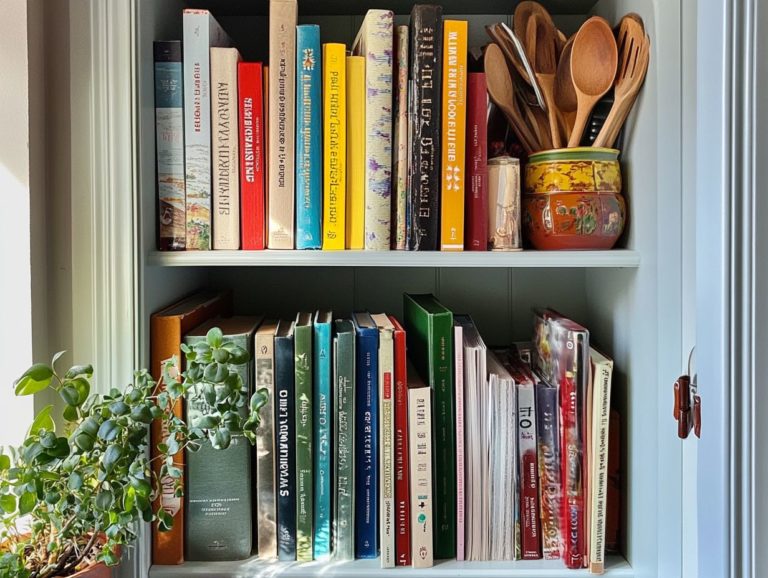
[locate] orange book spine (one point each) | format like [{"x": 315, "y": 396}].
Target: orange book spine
[{"x": 454, "y": 122}]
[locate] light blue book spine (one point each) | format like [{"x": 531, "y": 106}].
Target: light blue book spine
[
  {"x": 322, "y": 420},
  {"x": 309, "y": 144}
]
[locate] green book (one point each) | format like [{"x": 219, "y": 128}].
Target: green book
[
  {"x": 304, "y": 433},
  {"x": 429, "y": 335},
  {"x": 218, "y": 524}
]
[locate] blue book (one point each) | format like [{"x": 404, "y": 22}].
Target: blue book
[
  {"x": 322, "y": 421},
  {"x": 285, "y": 432},
  {"x": 366, "y": 446},
  {"x": 309, "y": 144}
]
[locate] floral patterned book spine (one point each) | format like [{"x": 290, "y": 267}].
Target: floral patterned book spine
[{"x": 400, "y": 174}]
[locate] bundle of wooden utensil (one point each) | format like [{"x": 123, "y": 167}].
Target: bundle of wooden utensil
[{"x": 547, "y": 84}]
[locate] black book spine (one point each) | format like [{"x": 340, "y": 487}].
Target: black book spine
[
  {"x": 425, "y": 55},
  {"x": 286, "y": 449}
]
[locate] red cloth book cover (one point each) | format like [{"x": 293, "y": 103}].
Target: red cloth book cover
[
  {"x": 251, "y": 105},
  {"x": 476, "y": 195}
]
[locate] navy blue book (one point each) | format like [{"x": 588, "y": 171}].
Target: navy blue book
[
  {"x": 366, "y": 446},
  {"x": 285, "y": 432}
]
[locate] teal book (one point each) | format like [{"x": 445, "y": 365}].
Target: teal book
[
  {"x": 321, "y": 416},
  {"x": 219, "y": 524},
  {"x": 344, "y": 439},
  {"x": 309, "y": 144},
  {"x": 429, "y": 338},
  {"x": 303, "y": 376}
]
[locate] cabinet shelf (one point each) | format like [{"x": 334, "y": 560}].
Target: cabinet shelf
[
  {"x": 614, "y": 566},
  {"x": 524, "y": 259}
]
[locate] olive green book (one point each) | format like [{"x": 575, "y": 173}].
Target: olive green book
[
  {"x": 344, "y": 439},
  {"x": 304, "y": 432},
  {"x": 429, "y": 336}
]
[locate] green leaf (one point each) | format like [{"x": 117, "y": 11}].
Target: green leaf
[
  {"x": 208, "y": 421},
  {"x": 119, "y": 408},
  {"x": 164, "y": 520},
  {"x": 60, "y": 449},
  {"x": 70, "y": 413},
  {"x": 52, "y": 498},
  {"x": 83, "y": 388},
  {"x": 142, "y": 413},
  {"x": 8, "y": 503},
  {"x": 129, "y": 499},
  {"x": 27, "y": 503},
  {"x": 109, "y": 430},
  {"x": 104, "y": 500},
  {"x": 111, "y": 456},
  {"x": 90, "y": 426},
  {"x": 75, "y": 481},
  {"x": 56, "y": 357},
  {"x": 70, "y": 395},
  {"x": 175, "y": 472},
  {"x": 209, "y": 393},
  {"x": 84, "y": 441},
  {"x": 35, "y": 379},
  {"x": 5, "y": 462},
  {"x": 48, "y": 440},
  {"x": 214, "y": 337},
  {"x": 238, "y": 355},
  {"x": 76, "y": 370},
  {"x": 142, "y": 487},
  {"x": 221, "y": 439},
  {"x": 221, "y": 355}
]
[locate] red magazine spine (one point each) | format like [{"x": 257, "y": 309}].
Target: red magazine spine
[
  {"x": 571, "y": 475},
  {"x": 402, "y": 490},
  {"x": 476, "y": 199},
  {"x": 251, "y": 105},
  {"x": 529, "y": 471}
]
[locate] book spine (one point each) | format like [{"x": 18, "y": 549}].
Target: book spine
[
  {"x": 547, "y": 415},
  {"x": 572, "y": 510},
  {"x": 602, "y": 371},
  {"x": 366, "y": 462},
  {"x": 226, "y": 174},
  {"x": 425, "y": 55},
  {"x": 308, "y": 141},
  {"x": 400, "y": 156},
  {"x": 476, "y": 238},
  {"x": 420, "y": 442},
  {"x": 402, "y": 492},
  {"x": 355, "y": 187},
  {"x": 304, "y": 432},
  {"x": 386, "y": 443},
  {"x": 282, "y": 112},
  {"x": 169, "y": 143},
  {"x": 344, "y": 398},
  {"x": 252, "y": 131},
  {"x": 286, "y": 448},
  {"x": 265, "y": 448},
  {"x": 529, "y": 475},
  {"x": 458, "y": 372},
  {"x": 322, "y": 447},
  {"x": 453, "y": 135},
  {"x": 334, "y": 146}
]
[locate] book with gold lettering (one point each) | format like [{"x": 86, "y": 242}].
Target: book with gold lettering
[{"x": 334, "y": 146}]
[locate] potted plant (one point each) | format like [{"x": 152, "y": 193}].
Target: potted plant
[{"x": 72, "y": 496}]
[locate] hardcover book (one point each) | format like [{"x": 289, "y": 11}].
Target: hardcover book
[
  {"x": 219, "y": 524},
  {"x": 344, "y": 439},
  {"x": 201, "y": 32},
  {"x": 458, "y": 377},
  {"x": 304, "y": 434},
  {"x": 426, "y": 32},
  {"x": 321, "y": 419},
  {"x": 374, "y": 41},
  {"x": 282, "y": 113},
  {"x": 335, "y": 146},
  {"x": 169, "y": 145},
  {"x": 366, "y": 426},
  {"x": 420, "y": 450},
  {"x": 308, "y": 142},
  {"x": 167, "y": 328},
  {"x": 429, "y": 330},
  {"x": 453, "y": 135},
  {"x": 252, "y": 140},
  {"x": 285, "y": 430},
  {"x": 386, "y": 439},
  {"x": 355, "y": 189},
  {"x": 266, "y": 513},
  {"x": 226, "y": 156},
  {"x": 402, "y": 465},
  {"x": 476, "y": 208},
  {"x": 547, "y": 416},
  {"x": 400, "y": 155}
]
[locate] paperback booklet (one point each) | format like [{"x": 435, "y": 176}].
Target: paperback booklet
[
  {"x": 304, "y": 432},
  {"x": 252, "y": 140},
  {"x": 400, "y": 155},
  {"x": 321, "y": 418},
  {"x": 458, "y": 376},
  {"x": 355, "y": 188},
  {"x": 334, "y": 146},
  {"x": 285, "y": 429}
]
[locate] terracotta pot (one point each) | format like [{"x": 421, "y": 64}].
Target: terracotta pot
[
  {"x": 573, "y": 199},
  {"x": 94, "y": 571}
]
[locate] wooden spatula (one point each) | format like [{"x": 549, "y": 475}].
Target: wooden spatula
[{"x": 541, "y": 41}]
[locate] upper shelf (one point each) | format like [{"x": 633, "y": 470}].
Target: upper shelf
[
  {"x": 329, "y": 7},
  {"x": 617, "y": 258}
]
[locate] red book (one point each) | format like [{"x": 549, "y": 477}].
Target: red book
[
  {"x": 402, "y": 495},
  {"x": 251, "y": 104},
  {"x": 476, "y": 204}
]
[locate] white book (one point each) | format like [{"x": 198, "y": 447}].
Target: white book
[
  {"x": 386, "y": 439},
  {"x": 458, "y": 367},
  {"x": 420, "y": 456},
  {"x": 201, "y": 32}
]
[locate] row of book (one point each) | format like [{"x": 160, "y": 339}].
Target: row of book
[
  {"x": 452, "y": 450},
  {"x": 380, "y": 147}
]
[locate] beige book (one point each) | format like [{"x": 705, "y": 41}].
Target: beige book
[{"x": 420, "y": 456}]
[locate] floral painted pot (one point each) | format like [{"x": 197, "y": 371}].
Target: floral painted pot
[{"x": 573, "y": 199}]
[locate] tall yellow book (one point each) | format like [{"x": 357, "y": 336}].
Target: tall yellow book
[
  {"x": 454, "y": 135},
  {"x": 355, "y": 152},
  {"x": 334, "y": 146}
]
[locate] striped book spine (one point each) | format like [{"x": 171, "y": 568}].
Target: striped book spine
[{"x": 334, "y": 146}]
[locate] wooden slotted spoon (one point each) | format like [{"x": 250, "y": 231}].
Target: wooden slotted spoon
[
  {"x": 540, "y": 39},
  {"x": 634, "y": 55}
]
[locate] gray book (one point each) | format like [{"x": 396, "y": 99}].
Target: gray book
[{"x": 218, "y": 524}]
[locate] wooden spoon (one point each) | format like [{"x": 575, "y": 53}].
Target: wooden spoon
[
  {"x": 565, "y": 93},
  {"x": 634, "y": 55},
  {"x": 501, "y": 91},
  {"x": 540, "y": 38},
  {"x": 593, "y": 68},
  {"x": 519, "y": 73}
]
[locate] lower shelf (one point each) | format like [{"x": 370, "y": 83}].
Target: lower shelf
[{"x": 255, "y": 568}]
